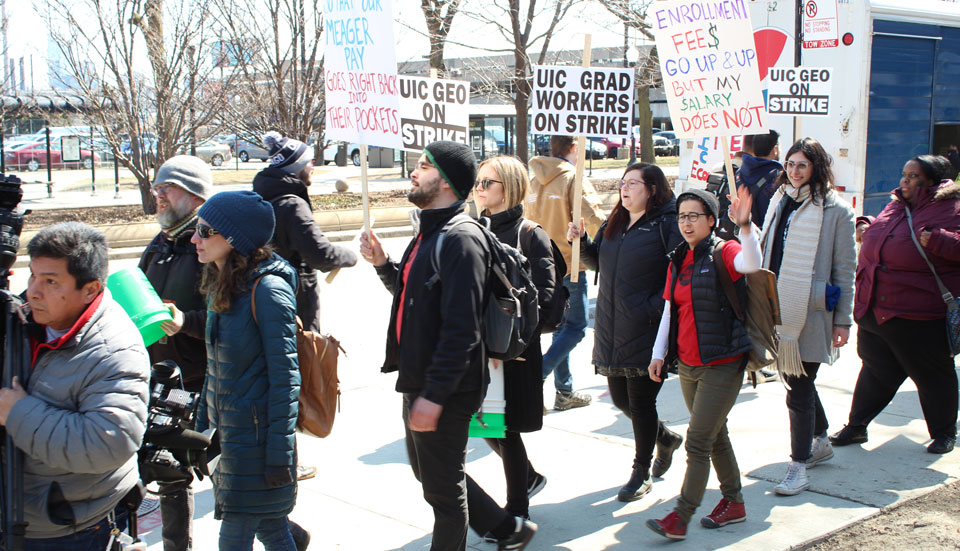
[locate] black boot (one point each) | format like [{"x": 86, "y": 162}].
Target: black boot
[
  {"x": 667, "y": 443},
  {"x": 638, "y": 485}
]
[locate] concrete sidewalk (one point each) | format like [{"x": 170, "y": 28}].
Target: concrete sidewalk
[{"x": 365, "y": 498}]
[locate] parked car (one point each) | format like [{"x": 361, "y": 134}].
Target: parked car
[
  {"x": 596, "y": 149},
  {"x": 664, "y": 147},
  {"x": 212, "y": 152},
  {"x": 247, "y": 150},
  {"x": 33, "y": 157}
]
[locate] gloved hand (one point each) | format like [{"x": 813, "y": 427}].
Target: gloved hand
[{"x": 278, "y": 476}]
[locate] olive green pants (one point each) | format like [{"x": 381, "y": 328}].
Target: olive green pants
[{"x": 710, "y": 392}]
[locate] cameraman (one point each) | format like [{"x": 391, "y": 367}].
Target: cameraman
[
  {"x": 170, "y": 262},
  {"x": 81, "y": 418}
]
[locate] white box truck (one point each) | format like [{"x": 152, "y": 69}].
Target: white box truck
[{"x": 895, "y": 90}]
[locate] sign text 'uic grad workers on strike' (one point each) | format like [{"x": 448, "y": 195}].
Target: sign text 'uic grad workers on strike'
[
  {"x": 708, "y": 61},
  {"x": 360, "y": 70},
  {"x": 580, "y": 101},
  {"x": 799, "y": 91},
  {"x": 432, "y": 109}
]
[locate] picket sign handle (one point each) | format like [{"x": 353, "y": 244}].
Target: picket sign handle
[
  {"x": 578, "y": 181},
  {"x": 365, "y": 192},
  {"x": 728, "y": 164}
]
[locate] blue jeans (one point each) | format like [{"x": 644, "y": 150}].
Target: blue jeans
[
  {"x": 571, "y": 331},
  {"x": 94, "y": 538},
  {"x": 237, "y": 531}
]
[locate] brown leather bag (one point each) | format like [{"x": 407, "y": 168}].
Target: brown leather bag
[{"x": 319, "y": 385}]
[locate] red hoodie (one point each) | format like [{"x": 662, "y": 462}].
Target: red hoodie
[{"x": 892, "y": 277}]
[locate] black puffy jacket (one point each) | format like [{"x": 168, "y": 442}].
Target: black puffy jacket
[{"x": 632, "y": 269}]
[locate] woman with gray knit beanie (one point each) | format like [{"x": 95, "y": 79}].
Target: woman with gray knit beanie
[{"x": 808, "y": 241}]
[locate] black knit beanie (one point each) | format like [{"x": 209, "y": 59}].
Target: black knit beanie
[
  {"x": 708, "y": 199},
  {"x": 456, "y": 163},
  {"x": 244, "y": 219}
]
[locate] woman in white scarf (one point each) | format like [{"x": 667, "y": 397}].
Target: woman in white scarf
[{"x": 808, "y": 241}]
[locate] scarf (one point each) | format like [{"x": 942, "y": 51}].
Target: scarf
[
  {"x": 796, "y": 270},
  {"x": 174, "y": 231}
]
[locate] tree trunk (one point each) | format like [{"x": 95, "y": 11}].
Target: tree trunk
[
  {"x": 646, "y": 124},
  {"x": 521, "y": 104},
  {"x": 147, "y": 199}
]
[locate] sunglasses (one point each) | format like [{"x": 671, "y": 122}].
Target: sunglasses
[
  {"x": 485, "y": 183},
  {"x": 205, "y": 231}
]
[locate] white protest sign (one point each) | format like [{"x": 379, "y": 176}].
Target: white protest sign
[
  {"x": 360, "y": 72},
  {"x": 432, "y": 109},
  {"x": 708, "y": 60},
  {"x": 820, "y": 25},
  {"x": 799, "y": 91},
  {"x": 707, "y": 154},
  {"x": 582, "y": 101}
]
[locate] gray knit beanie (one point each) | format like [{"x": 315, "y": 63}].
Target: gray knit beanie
[
  {"x": 188, "y": 172},
  {"x": 708, "y": 199},
  {"x": 287, "y": 154}
]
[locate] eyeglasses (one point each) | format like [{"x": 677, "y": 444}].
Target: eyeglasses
[
  {"x": 205, "y": 231},
  {"x": 162, "y": 189},
  {"x": 485, "y": 183},
  {"x": 631, "y": 183},
  {"x": 423, "y": 165},
  {"x": 692, "y": 217},
  {"x": 802, "y": 165}
]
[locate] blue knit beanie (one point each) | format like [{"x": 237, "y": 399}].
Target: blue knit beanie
[{"x": 244, "y": 219}]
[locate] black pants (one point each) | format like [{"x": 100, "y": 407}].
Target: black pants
[
  {"x": 437, "y": 459},
  {"x": 636, "y": 397},
  {"x": 807, "y": 417},
  {"x": 517, "y": 469},
  {"x": 902, "y": 348}
]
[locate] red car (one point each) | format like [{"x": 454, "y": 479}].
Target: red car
[{"x": 33, "y": 157}]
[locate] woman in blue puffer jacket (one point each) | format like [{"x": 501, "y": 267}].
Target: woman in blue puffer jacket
[{"x": 252, "y": 384}]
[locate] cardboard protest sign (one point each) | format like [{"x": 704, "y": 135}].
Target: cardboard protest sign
[
  {"x": 360, "y": 72},
  {"x": 707, "y": 154},
  {"x": 432, "y": 109},
  {"x": 582, "y": 101},
  {"x": 708, "y": 60},
  {"x": 799, "y": 91}
]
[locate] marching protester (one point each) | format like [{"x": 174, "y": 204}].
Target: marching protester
[
  {"x": 700, "y": 331},
  {"x": 629, "y": 253},
  {"x": 170, "y": 263},
  {"x": 501, "y": 187},
  {"x": 907, "y": 251},
  {"x": 760, "y": 171},
  {"x": 808, "y": 242},
  {"x": 434, "y": 343},
  {"x": 550, "y": 204},
  {"x": 253, "y": 378},
  {"x": 297, "y": 237},
  {"x": 81, "y": 415}
]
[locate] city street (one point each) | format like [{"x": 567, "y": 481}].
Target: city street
[{"x": 365, "y": 498}]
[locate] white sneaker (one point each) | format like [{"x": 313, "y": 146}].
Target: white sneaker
[
  {"x": 795, "y": 482},
  {"x": 821, "y": 450}
]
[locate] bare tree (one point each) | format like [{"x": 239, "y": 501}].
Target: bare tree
[
  {"x": 275, "y": 47},
  {"x": 633, "y": 14},
  {"x": 515, "y": 22},
  {"x": 139, "y": 66},
  {"x": 438, "y": 27}
]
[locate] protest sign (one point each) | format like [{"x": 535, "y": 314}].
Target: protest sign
[
  {"x": 799, "y": 91},
  {"x": 707, "y": 154},
  {"x": 582, "y": 101},
  {"x": 708, "y": 60},
  {"x": 432, "y": 109},
  {"x": 360, "y": 73}
]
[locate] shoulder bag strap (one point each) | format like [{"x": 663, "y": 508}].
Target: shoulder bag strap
[
  {"x": 727, "y": 282},
  {"x": 253, "y": 302},
  {"x": 945, "y": 293}
]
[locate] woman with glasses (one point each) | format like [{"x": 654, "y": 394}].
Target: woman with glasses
[
  {"x": 899, "y": 302},
  {"x": 808, "y": 242},
  {"x": 502, "y": 184},
  {"x": 629, "y": 253},
  {"x": 700, "y": 331},
  {"x": 253, "y": 379}
]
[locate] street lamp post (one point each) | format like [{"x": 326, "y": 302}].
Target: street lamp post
[{"x": 630, "y": 58}]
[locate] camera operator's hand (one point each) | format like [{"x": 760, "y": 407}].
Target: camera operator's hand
[
  {"x": 8, "y": 398},
  {"x": 278, "y": 476},
  {"x": 173, "y": 327}
]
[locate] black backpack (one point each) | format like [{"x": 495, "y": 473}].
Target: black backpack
[
  {"x": 510, "y": 313},
  {"x": 552, "y": 314}
]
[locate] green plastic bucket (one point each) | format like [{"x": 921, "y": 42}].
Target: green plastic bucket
[
  {"x": 133, "y": 291},
  {"x": 493, "y": 425}
]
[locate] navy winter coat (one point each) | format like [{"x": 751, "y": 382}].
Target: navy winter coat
[{"x": 251, "y": 393}]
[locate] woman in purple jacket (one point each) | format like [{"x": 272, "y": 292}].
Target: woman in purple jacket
[{"x": 898, "y": 307}]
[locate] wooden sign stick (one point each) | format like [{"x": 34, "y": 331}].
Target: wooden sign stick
[
  {"x": 578, "y": 181},
  {"x": 728, "y": 164},
  {"x": 365, "y": 192}
]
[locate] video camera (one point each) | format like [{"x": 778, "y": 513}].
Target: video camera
[{"x": 172, "y": 451}]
